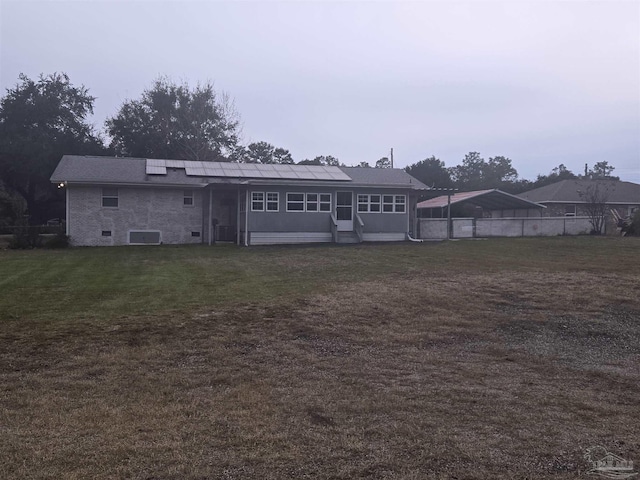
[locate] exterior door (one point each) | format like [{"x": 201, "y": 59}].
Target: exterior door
[{"x": 344, "y": 211}]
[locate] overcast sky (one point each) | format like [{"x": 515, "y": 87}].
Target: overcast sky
[{"x": 540, "y": 82}]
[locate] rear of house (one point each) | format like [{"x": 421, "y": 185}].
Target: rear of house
[{"x": 132, "y": 201}]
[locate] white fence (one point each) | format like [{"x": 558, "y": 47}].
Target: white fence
[{"x": 436, "y": 228}]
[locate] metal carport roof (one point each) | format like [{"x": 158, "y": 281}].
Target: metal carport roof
[{"x": 488, "y": 199}]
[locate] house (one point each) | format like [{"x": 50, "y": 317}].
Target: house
[
  {"x": 133, "y": 201},
  {"x": 572, "y": 198}
]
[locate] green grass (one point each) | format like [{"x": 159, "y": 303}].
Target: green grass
[
  {"x": 100, "y": 283},
  {"x": 504, "y": 358}
]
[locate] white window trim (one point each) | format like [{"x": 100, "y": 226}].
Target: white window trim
[
  {"x": 263, "y": 202},
  {"x": 188, "y": 194},
  {"x": 303, "y": 201},
  {"x": 116, "y": 196},
  {"x": 320, "y": 202},
  {"x": 267, "y": 201}
]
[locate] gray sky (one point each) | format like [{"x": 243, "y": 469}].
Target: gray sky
[{"x": 541, "y": 82}]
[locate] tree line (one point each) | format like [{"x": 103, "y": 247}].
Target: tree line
[{"x": 43, "y": 119}]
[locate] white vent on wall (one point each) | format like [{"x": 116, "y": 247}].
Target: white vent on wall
[{"x": 144, "y": 237}]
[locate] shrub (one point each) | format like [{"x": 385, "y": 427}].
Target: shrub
[
  {"x": 60, "y": 240},
  {"x": 634, "y": 226}
]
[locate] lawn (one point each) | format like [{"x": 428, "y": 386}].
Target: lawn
[{"x": 504, "y": 358}]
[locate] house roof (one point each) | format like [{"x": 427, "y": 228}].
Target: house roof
[
  {"x": 137, "y": 171},
  {"x": 489, "y": 199},
  {"x": 568, "y": 191}
]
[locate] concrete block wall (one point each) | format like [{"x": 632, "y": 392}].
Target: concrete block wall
[
  {"x": 159, "y": 209},
  {"x": 436, "y": 228}
]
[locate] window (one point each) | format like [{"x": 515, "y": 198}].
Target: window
[
  {"x": 369, "y": 203},
  {"x": 188, "y": 198},
  {"x": 257, "y": 201},
  {"x": 363, "y": 203},
  {"x": 325, "y": 202},
  {"x": 394, "y": 203},
  {"x": 312, "y": 202},
  {"x": 387, "y": 203},
  {"x": 374, "y": 203},
  {"x": 308, "y": 202},
  {"x": 569, "y": 210},
  {"x": 110, "y": 197},
  {"x": 295, "y": 202},
  {"x": 272, "y": 201}
]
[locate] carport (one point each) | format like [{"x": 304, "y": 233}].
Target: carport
[{"x": 497, "y": 203}]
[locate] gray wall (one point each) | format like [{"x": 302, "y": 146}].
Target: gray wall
[
  {"x": 138, "y": 208},
  {"x": 283, "y": 221}
]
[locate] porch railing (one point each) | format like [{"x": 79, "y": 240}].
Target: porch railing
[
  {"x": 334, "y": 228},
  {"x": 358, "y": 225}
]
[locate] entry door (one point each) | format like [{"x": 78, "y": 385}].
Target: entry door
[{"x": 344, "y": 211}]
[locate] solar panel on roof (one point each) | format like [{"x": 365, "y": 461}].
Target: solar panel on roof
[
  {"x": 155, "y": 170},
  {"x": 246, "y": 170}
]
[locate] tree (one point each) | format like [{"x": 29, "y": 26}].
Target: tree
[
  {"x": 384, "y": 162},
  {"x": 40, "y": 121},
  {"x": 322, "y": 160},
  {"x": 602, "y": 170},
  {"x": 595, "y": 195},
  {"x": 432, "y": 172},
  {"x": 476, "y": 173},
  {"x": 557, "y": 174},
  {"x": 263, "y": 152},
  {"x": 364, "y": 165},
  {"x": 176, "y": 122}
]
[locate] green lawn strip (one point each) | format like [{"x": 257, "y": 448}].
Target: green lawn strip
[{"x": 100, "y": 283}]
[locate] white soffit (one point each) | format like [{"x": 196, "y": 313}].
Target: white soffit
[{"x": 246, "y": 170}]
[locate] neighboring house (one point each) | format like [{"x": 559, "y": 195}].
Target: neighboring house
[
  {"x": 571, "y": 198},
  {"x": 120, "y": 201}
]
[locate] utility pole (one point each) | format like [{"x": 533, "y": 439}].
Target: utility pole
[{"x": 391, "y": 157}]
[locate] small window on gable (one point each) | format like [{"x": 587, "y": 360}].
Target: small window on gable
[
  {"x": 188, "y": 198},
  {"x": 110, "y": 197},
  {"x": 570, "y": 211}
]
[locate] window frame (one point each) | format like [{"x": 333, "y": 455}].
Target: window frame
[
  {"x": 254, "y": 201},
  {"x": 106, "y": 196},
  {"x": 301, "y": 202},
  {"x": 188, "y": 198},
  {"x": 268, "y": 203},
  {"x": 570, "y": 214},
  {"x": 322, "y": 202}
]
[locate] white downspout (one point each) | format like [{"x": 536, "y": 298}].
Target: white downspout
[
  {"x": 210, "y": 218},
  {"x": 246, "y": 220}
]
